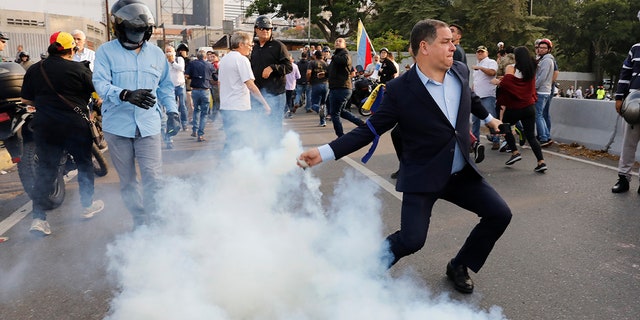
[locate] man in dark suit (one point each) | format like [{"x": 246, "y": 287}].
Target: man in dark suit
[{"x": 431, "y": 104}]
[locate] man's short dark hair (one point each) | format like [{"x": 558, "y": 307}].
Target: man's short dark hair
[
  {"x": 425, "y": 30},
  {"x": 457, "y": 27},
  {"x": 53, "y": 50}
]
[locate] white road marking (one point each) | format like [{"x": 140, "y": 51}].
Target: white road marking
[
  {"x": 23, "y": 211},
  {"x": 386, "y": 185}
]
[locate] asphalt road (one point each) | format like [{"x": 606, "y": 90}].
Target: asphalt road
[{"x": 572, "y": 250}]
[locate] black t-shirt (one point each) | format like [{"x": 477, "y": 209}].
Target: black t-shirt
[
  {"x": 387, "y": 70},
  {"x": 303, "y": 65},
  {"x": 318, "y": 72},
  {"x": 70, "y": 79}
]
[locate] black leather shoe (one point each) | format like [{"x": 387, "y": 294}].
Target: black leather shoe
[
  {"x": 460, "y": 277},
  {"x": 395, "y": 174},
  {"x": 622, "y": 185}
]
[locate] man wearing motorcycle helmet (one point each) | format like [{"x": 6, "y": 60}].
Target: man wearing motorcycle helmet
[
  {"x": 25, "y": 60},
  {"x": 628, "y": 82},
  {"x": 129, "y": 74},
  {"x": 58, "y": 127},
  {"x": 388, "y": 69},
  {"x": 270, "y": 64},
  {"x": 3, "y": 41}
]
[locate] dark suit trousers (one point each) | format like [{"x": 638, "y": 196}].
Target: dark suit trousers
[{"x": 467, "y": 190}]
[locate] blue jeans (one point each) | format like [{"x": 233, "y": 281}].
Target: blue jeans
[
  {"x": 273, "y": 123},
  {"x": 140, "y": 200},
  {"x": 238, "y": 129},
  {"x": 545, "y": 114},
  {"x": 318, "y": 98},
  {"x": 182, "y": 107},
  {"x": 541, "y": 126},
  {"x": 489, "y": 103},
  {"x": 215, "y": 107},
  {"x": 307, "y": 89},
  {"x": 200, "y": 110},
  {"x": 338, "y": 99}
]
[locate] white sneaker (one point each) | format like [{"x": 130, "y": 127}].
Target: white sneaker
[
  {"x": 94, "y": 208},
  {"x": 40, "y": 227}
]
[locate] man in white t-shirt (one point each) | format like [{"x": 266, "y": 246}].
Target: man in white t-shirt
[
  {"x": 483, "y": 72},
  {"x": 236, "y": 87},
  {"x": 371, "y": 70},
  {"x": 83, "y": 53},
  {"x": 176, "y": 72}
]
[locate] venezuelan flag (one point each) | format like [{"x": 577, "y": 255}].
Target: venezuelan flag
[{"x": 365, "y": 47}]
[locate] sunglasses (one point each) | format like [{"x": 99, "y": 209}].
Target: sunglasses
[
  {"x": 263, "y": 29},
  {"x": 3, "y": 41}
]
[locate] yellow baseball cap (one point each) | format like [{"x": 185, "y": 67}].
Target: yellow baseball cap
[{"x": 63, "y": 39}]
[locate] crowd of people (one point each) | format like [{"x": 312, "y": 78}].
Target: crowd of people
[
  {"x": 590, "y": 93},
  {"x": 147, "y": 94}
]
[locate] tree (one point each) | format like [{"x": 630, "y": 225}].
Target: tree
[
  {"x": 401, "y": 15},
  {"x": 484, "y": 21},
  {"x": 334, "y": 18},
  {"x": 610, "y": 34},
  {"x": 393, "y": 41}
]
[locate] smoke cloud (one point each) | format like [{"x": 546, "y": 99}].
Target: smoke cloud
[{"x": 253, "y": 241}]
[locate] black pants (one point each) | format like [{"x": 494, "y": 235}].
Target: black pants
[
  {"x": 290, "y": 96},
  {"x": 467, "y": 190},
  {"x": 527, "y": 116},
  {"x": 52, "y": 139}
]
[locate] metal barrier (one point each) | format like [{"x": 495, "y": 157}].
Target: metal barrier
[{"x": 591, "y": 123}]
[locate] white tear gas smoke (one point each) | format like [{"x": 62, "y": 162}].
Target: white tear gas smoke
[{"x": 252, "y": 241}]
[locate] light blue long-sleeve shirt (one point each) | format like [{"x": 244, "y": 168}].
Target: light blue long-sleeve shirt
[
  {"x": 116, "y": 69},
  {"x": 447, "y": 96}
]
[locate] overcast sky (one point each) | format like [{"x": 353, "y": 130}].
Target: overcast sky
[{"x": 91, "y": 9}]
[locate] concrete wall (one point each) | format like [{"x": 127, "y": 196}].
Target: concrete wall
[{"x": 592, "y": 123}]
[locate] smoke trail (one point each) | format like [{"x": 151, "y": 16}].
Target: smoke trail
[{"x": 253, "y": 242}]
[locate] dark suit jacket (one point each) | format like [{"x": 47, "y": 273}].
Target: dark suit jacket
[{"x": 428, "y": 137}]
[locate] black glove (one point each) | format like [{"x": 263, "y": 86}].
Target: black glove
[
  {"x": 142, "y": 98},
  {"x": 173, "y": 124}
]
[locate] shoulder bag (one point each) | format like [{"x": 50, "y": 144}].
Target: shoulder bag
[{"x": 98, "y": 137}]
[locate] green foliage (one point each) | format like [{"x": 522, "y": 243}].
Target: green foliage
[
  {"x": 588, "y": 35},
  {"x": 392, "y": 40},
  {"x": 401, "y": 15},
  {"x": 334, "y": 18}
]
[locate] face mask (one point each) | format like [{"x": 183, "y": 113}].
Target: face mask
[{"x": 135, "y": 35}]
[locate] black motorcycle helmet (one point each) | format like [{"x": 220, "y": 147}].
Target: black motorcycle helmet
[
  {"x": 24, "y": 54},
  {"x": 263, "y": 22},
  {"x": 3, "y": 36},
  {"x": 132, "y": 23},
  {"x": 182, "y": 47}
]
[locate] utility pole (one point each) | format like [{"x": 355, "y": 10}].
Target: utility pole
[
  {"x": 309, "y": 26},
  {"x": 108, "y": 18}
]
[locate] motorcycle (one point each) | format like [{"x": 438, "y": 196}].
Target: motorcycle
[
  {"x": 17, "y": 136},
  {"x": 362, "y": 88}
]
